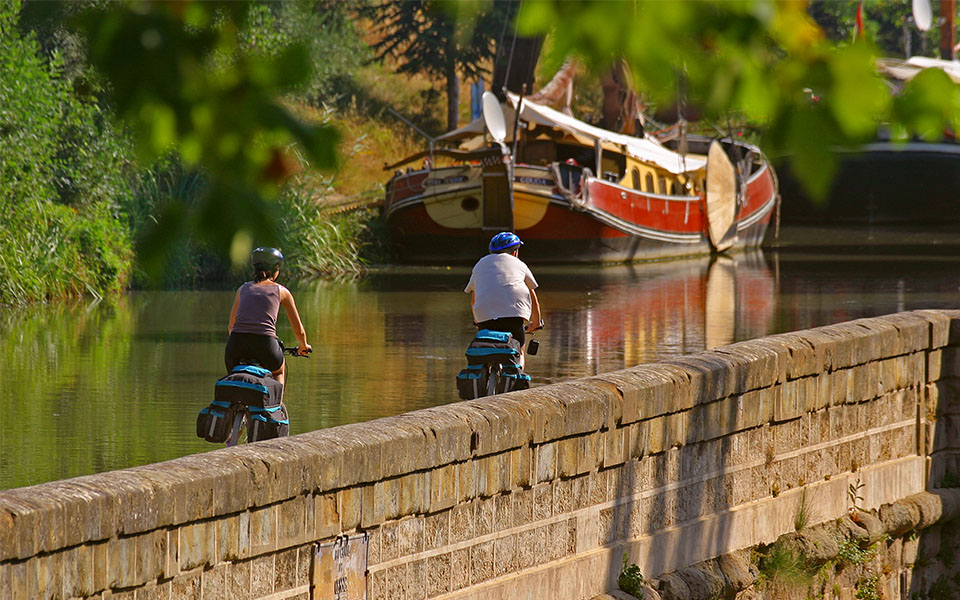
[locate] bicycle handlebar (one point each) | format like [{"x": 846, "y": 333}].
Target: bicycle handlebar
[
  {"x": 295, "y": 351},
  {"x": 537, "y": 328}
]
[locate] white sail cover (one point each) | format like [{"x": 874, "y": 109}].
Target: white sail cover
[
  {"x": 907, "y": 69},
  {"x": 645, "y": 149}
]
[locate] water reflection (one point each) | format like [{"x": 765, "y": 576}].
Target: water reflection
[{"x": 88, "y": 388}]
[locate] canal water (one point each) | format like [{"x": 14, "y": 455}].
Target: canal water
[{"x": 91, "y": 387}]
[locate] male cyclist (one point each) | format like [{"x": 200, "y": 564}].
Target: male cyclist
[{"x": 502, "y": 290}]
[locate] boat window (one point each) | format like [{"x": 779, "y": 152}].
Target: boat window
[
  {"x": 635, "y": 175},
  {"x": 676, "y": 189},
  {"x": 538, "y": 152},
  {"x": 649, "y": 181},
  {"x": 662, "y": 185}
]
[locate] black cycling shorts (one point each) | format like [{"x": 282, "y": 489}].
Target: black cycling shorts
[
  {"x": 244, "y": 347},
  {"x": 512, "y": 325}
]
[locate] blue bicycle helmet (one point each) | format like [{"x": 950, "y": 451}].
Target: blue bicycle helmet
[{"x": 503, "y": 241}]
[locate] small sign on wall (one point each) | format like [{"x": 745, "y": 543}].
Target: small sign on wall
[{"x": 340, "y": 569}]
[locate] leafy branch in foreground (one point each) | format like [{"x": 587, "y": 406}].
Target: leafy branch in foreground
[
  {"x": 181, "y": 79},
  {"x": 763, "y": 59}
]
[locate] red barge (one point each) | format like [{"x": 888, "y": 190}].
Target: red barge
[{"x": 577, "y": 193}]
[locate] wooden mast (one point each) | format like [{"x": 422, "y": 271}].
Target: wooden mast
[{"x": 947, "y": 31}]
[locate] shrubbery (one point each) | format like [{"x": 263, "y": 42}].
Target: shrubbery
[{"x": 61, "y": 180}]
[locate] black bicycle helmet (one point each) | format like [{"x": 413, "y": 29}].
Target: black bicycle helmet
[{"x": 267, "y": 259}]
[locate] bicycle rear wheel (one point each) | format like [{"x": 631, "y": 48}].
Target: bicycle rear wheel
[{"x": 238, "y": 435}]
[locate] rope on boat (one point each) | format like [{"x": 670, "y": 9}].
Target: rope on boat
[{"x": 577, "y": 198}]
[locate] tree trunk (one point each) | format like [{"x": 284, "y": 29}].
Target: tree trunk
[{"x": 453, "y": 95}]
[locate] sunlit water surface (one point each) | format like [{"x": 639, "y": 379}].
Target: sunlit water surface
[{"x": 94, "y": 387}]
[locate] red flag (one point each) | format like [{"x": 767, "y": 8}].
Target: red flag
[{"x": 859, "y": 30}]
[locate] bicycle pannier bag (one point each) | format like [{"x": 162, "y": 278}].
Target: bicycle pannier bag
[
  {"x": 493, "y": 347},
  {"x": 512, "y": 378},
  {"x": 251, "y": 386},
  {"x": 471, "y": 383},
  {"x": 215, "y": 421},
  {"x": 267, "y": 423}
]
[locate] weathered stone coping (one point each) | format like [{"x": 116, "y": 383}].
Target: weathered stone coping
[{"x": 362, "y": 476}]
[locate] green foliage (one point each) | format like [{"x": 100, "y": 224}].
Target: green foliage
[
  {"x": 851, "y": 553},
  {"x": 781, "y": 564},
  {"x": 853, "y": 494},
  {"x": 60, "y": 181},
  {"x": 801, "y": 517},
  {"x": 215, "y": 105},
  {"x": 767, "y": 61},
  {"x": 630, "y": 579},
  {"x": 868, "y": 588},
  {"x": 323, "y": 27}
]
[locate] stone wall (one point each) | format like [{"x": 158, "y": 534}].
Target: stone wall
[{"x": 534, "y": 494}]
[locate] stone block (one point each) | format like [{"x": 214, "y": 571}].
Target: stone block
[
  {"x": 756, "y": 365},
  {"x": 460, "y": 568},
  {"x": 521, "y": 467},
  {"x": 542, "y": 502},
  {"x": 414, "y": 496},
  {"x": 590, "y": 452},
  {"x": 213, "y": 582},
  {"x": 462, "y": 522},
  {"x": 708, "y": 376},
  {"x": 151, "y": 555},
  {"x": 640, "y": 390},
  {"x": 186, "y": 587},
  {"x": 615, "y": 446},
  {"x": 486, "y": 517},
  {"x": 410, "y": 536},
  {"x": 197, "y": 541},
  {"x": 436, "y": 530},
  {"x": 262, "y": 531},
  {"x": 546, "y": 467},
  {"x": 292, "y": 527},
  {"x": 438, "y": 575},
  {"x": 505, "y": 556},
  {"x": 326, "y": 516},
  {"x": 913, "y": 331},
  {"x": 934, "y": 365},
  {"x": 361, "y": 455},
  {"x": 262, "y": 575},
  {"x": 943, "y": 331},
  {"x": 398, "y": 444},
  {"x": 443, "y": 488},
  {"x": 481, "y": 562},
  {"x": 417, "y": 580},
  {"x": 228, "y": 538}
]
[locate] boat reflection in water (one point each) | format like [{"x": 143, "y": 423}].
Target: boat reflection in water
[{"x": 606, "y": 319}]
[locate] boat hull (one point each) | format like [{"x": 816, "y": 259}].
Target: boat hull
[
  {"x": 613, "y": 224},
  {"x": 442, "y": 224},
  {"x": 884, "y": 184}
]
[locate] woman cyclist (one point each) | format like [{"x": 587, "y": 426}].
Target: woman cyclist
[{"x": 253, "y": 319}]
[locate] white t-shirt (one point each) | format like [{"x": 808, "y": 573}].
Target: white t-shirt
[{"x": 501, "y": 284}]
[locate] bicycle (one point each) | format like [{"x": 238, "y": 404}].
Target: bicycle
[
  {"x": 248, "y": 395},
  {"x": 494, "y": 367}
]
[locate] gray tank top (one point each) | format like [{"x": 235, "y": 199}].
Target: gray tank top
[{"x": 257, "y": 309}]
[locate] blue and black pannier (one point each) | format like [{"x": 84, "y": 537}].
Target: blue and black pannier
[
  {"x": 471, "y": 382},
  {"x": 255, "y": 389},
  {"x": 215, "y": 421},
  {"x": 493, "y": 347},
  {"x": 512, "y": 378}
]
